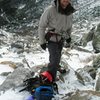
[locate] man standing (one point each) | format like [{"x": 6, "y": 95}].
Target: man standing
[{"x": 54, "y": 28}]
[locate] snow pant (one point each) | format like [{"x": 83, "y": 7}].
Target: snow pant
[{"x": 54, "y": 49}]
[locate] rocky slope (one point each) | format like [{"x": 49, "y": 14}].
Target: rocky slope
[
  {"x": 20, "y": 44},
  {"x": 21, "y": 16}
]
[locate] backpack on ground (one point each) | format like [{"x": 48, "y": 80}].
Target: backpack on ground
[{"x": 42, "y": 87}]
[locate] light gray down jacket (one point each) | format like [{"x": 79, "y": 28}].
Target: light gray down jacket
[{"x": 52, "y": 19}]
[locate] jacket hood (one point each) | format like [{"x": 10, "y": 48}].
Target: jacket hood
[{"x": 67, "y": 11}]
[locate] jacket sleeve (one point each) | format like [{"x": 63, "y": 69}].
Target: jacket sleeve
[
  {"x": 69, "y": 32},
  {"x": 42, "y": 26},
  {"x": 70, "y": 28}
]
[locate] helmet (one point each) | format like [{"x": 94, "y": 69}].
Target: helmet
[{"x": 47, "y": 76}]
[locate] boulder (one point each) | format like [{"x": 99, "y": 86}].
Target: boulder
[
  {"x": 96, "y": 62},
  {"x": 91, "y": 70},
  {"x": 84, "y": 95},
  {"x": 96, "y": 39},
  {"x": 15, "y": 79},
  {"x": 88, "y": 36},
  {"x": 85, "y": 75}
]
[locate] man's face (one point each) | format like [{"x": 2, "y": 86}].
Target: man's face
[{"x": 64, "y": 3}]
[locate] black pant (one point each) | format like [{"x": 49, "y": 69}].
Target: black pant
[{"x": 54, "y": 49}]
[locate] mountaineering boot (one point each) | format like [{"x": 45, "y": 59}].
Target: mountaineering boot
[{"x": 61, "y": 70}]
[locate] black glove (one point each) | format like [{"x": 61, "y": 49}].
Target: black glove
[
  {"x": 43, "y": 46},
  {"x": 68, "y": 40}
]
